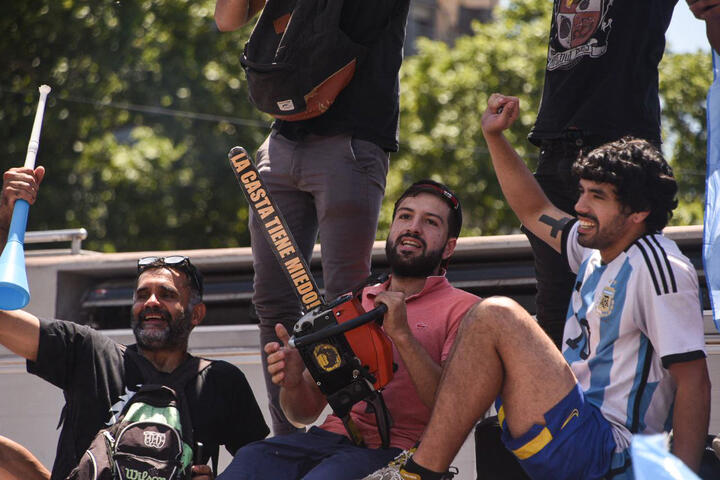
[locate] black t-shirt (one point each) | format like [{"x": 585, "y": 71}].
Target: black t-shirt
[
  {"x": 602, "y": 69},
  {"x": 368, "y": 108},
  {"x": 95, "y": 373}
]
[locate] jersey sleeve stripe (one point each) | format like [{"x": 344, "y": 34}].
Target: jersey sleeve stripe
[
  {"x": 653, "y": 250},
  {"x": 649, "y": 265},
  {"x": 667, "y": 263},
  {"x": 668, "y": 360}
]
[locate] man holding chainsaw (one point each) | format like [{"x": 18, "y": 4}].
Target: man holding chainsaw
[
  {"x": 423, "y": 315},
  {"x": 327, "y": 173}
]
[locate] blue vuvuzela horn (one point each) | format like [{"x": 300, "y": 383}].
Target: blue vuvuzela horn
[{"x": 14, "y": 291}]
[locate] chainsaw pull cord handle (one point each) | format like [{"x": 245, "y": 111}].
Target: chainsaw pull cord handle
[{"x": 367, "y": 317}]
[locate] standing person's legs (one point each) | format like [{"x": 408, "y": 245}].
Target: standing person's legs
[
  {"x": 337, "y": 181},
  {"x": 346, "y": 177},
  {"x": 274, "y": 299},
  {"x": 555, "y": 280},
  {"x": 500, "y": 351}
]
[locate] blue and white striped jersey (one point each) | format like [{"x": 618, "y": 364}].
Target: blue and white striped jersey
[{"x": 627, "y": 321}]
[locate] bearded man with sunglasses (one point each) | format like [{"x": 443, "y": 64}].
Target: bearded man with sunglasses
[{"x": 97, "y": 374}]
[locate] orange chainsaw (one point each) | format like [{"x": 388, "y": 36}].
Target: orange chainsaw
[{"x": 343, "y": 347}]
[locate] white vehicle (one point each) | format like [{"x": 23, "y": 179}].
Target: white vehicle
[{"x": 96, "y": 289}]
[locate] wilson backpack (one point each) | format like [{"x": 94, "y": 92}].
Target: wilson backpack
[
  {"x": 297, "y": 59},
  {"x": 152, "y": 437}
]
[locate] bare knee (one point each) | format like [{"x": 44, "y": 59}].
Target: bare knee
[{"x": 496, "y": 313}]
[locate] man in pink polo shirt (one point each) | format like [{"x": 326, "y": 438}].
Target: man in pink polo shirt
[{"x": 424, "y": 312}]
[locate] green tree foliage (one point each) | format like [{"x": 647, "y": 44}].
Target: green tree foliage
[
  {"x": 445, "y": 90},
  {"x": 684, "y": 83},
  {"x": 147, "y": 99}
]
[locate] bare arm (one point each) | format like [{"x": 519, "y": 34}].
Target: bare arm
[
  {"x": 18, "y": 183},
  {"x": 692, "y": 410},
  {"x": 20, "y": 332},
  {"x": 709, "y": 11},
  {"x": 17, "y": 463},
  {"x": 300, "y": 398},
  {"x": 520, "y": 188},
  {"x": 233, "y": 14},
  {"x": 424, "y": 372}
]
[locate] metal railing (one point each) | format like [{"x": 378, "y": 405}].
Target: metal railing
[{"x": 73, "y": 235}]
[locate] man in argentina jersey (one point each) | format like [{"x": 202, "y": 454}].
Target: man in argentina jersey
[
  {"x": 629, "y": 320},
  {"x": 633, "y": 357}
]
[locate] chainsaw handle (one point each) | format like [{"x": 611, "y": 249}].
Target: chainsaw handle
[{"x": 367, "y": 317}]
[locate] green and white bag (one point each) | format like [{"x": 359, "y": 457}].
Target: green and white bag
[{"x": 152, "y": 438}]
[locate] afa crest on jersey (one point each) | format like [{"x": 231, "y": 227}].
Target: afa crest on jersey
[
  {"x": 581, "y": 29},
  {"x": 606, "y": 302}
]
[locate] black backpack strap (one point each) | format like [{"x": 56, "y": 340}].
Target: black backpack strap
[
  {"x": 189, "y": 369},
  {"x": 178, "y": 381}
]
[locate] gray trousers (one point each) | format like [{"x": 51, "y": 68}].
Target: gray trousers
[{"x": 333, "y": 186}]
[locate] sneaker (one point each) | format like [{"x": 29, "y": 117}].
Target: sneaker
[{"x": 394, "y": 471}]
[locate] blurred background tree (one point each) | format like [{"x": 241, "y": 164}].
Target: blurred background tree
[
  {"x": 684, "y": 83},
  {"x": 445, "y": 90},
  {"x": 444, "y": 93},
  {"x": 148, "y": 97}
]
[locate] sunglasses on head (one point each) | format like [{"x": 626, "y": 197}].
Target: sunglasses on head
[
  {"x": 447, "y": 194},
  {"x": 178, "y": 262}
]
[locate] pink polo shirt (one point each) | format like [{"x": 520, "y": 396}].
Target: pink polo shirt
[{"x": 434, "y": 315}]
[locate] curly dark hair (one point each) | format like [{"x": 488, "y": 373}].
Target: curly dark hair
[{"x": 642, "y": 178}]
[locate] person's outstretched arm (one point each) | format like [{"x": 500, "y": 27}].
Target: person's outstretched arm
[
  {"x": 20, "y": 333},
  {"x": 19, "y": 330},
  {"x": 520, "y": 188}
]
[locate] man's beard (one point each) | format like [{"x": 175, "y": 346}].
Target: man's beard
[
  {"x": 421, "y": 266},
  {"x": 606, "y": 235},
  {"x": 175, "y": 333}
]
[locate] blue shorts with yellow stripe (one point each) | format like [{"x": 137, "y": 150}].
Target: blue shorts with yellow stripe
[{"x": 576, "y": 442}]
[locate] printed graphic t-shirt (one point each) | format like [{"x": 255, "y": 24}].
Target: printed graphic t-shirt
[{"x": 602, "y": 69}]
